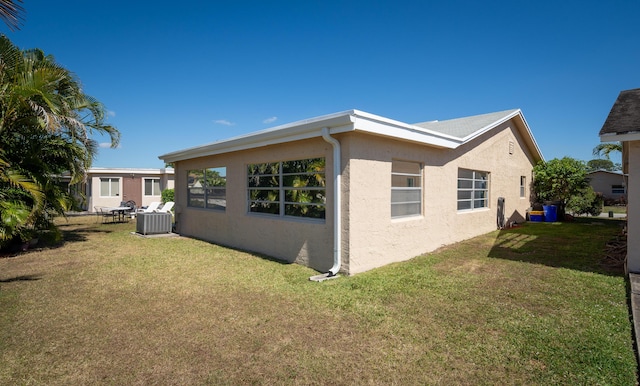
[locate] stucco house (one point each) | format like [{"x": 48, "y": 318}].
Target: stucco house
[
  {"x": 352, "y": 191},
  {"x": 623, "y": 125},
  {"x": 612, "y": 185},
  {"x": 107, "y": 187}
]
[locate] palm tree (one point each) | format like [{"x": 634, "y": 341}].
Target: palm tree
[
  {"x": 11, "y": 13},
  {"x": 604, "y": 149},
  {"x": 46, "y": 128}
]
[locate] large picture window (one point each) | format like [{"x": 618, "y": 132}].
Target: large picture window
[
  {"x": 109, "y": 187},
  {"x": 406, "y": 189},
  {"x": 288, "y": 188},
  {"x": 151, "y": 186},
  {"x": 473, "y": 189},
  {"x": 207, "y": 188}
]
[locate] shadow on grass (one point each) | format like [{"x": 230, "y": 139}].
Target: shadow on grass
[
  {"x": 21, "y": 278},
  {"x": 578, "y": 245}
]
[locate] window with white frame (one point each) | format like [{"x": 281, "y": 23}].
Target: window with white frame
[
  {"x": 473, "y": 189},
  {"x": 288, "y": 188},
  {"x": 109, "y": 187},
  {"x": 523, "y": 186},
  {"x": 151, "y": 186},
  {"x": 406, "y": 189},
  {"x": 207, "y": 188}
]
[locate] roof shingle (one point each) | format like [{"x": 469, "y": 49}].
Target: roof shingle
[{"x": 624, "y": 116}]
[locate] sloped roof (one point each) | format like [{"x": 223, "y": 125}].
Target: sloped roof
[
  {"x": 448, "y": 134},
  {"x": 467, "y": 126},
  {"x": 624, "y": 117}
]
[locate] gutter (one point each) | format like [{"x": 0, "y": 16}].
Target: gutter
[{"x": 337, "y": 202}]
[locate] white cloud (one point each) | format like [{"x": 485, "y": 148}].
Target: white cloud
[
  {"x": 107, "y": 145},
  {"x": 223, "y": 122},
  {"x": 270, "y": 120},
  {"x": 111, "y": 113}
]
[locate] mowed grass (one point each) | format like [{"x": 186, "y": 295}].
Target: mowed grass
[{"x": 531, "y": 305}]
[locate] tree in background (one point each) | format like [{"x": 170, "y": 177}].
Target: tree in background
[
  {"x": 602, "y": 164},
  {"x": 46, "y": 128},
  {"x": 559, "y": 180}
]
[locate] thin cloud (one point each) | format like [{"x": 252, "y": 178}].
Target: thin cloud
[
  {"x": 224, "y": 122},
  {"x": 111, "y": 113},
  {"x": 107, "y": 145},
  {"x": 270, "y": 120}
]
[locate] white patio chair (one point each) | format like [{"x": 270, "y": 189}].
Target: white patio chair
[
  {"x": 166, "y": 208},
  {"x": 151, "y": 208}
]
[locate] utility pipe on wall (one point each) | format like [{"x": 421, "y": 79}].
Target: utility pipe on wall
[{"x": 337, "y": 223}]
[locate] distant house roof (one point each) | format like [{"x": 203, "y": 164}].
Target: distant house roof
[
  {"x": 623, "y": 122},
  {"x": 444, "y": 134},
  {"x": 617, "y": 173}
]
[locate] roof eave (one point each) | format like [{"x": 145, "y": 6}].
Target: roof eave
[
  {"x": 295, "y": 131},
  {"x": 620, "y": 137}
]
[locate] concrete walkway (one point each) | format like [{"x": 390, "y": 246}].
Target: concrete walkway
[{"x": 635, "y": 304}]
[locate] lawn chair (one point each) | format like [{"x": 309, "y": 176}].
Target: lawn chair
[
  {"x": 166, "y": 208},
  {"x": 107, "y": 216},
  {"x": 151, "y": 208}
]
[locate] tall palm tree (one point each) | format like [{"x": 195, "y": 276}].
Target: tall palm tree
[
  {"x": 605, "y": 149},
  {"x": 46, "y": 128}
]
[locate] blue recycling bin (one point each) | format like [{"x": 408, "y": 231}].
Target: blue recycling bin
[{"x": 550, "y": 213}]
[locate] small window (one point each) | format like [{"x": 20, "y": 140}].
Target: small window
[
  {"x": 523, "y": 186},
  {"x": 473, "y": 189},
  {"x": 151, "y": 186},
  {"x": 406, "y": 189},
  {"x": 207, "y": 188},
  {"x": 109, "y": 187},
  {"x": 617, "y": 189}
]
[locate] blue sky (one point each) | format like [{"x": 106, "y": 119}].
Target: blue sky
[{"x": 180, "y": 74}]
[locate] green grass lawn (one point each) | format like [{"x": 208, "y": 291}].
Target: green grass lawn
[
  {"x": 614, "y": 209},
  {"x": 530, "y": 305}
]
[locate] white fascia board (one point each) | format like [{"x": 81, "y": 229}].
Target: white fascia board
[
  {"x": 624, "y": 137},
  {"x": 295, "y": 131},
  {"x": 377, "y": 125},
  {"x": 129, "y": 171}
]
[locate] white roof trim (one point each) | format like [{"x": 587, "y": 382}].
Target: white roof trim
[
  {"x": 614, "y": 137},
  {"x": 130, "y": 171},
  {"x": 342, "y": 122}
]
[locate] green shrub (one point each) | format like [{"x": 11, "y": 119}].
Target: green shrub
[
  {"x": 167, "y": 195},
  {"x": 587, "y": 201}
]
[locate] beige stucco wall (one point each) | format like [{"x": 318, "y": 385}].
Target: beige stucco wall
[
  {"x": 96, "y": 200},
  {"x": 167, "y": 181},
  {"x": 308, "y": 242},
  {"x": 372, "y": 238},
  {"x": 633, "y": 208}
]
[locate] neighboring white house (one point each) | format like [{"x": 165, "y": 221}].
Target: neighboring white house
[
  {"x": 108, "y": 187},
  {"x": 612, "y": 185},
  {"x": 352, "y": 191},
  {"x": 623, "y": 125}
]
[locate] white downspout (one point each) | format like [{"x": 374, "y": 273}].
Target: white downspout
[{"x": 337, "y": 202}]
